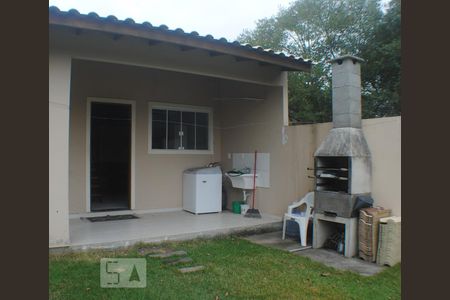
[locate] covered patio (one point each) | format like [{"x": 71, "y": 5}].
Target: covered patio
[
  {"x": 144, "y": 104},
  {"x": 163, "y": 226}
]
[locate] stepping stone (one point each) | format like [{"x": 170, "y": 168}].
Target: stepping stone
[
  {"x": 152, "y": 250},
  {"x": 174, "y": 261},
  {"x": 169, "y": 254},
  {"x": 191, "y": 269}
]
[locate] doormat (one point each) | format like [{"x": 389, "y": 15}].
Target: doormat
[{"x": 112, "y": 218}]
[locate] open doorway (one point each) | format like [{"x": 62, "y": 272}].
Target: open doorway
[{"x": 110, "y": 156}]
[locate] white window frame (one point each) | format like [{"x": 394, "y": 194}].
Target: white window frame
[{"x": 180, "y": 107}]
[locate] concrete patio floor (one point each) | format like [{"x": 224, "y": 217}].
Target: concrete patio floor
[
  {"x": 327, "y": 257},
  {"x": 162, "y": 226}
]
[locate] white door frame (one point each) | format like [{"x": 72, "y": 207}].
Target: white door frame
[{"x": 88, "y": 147}]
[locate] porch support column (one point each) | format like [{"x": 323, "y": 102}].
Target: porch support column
[
  {"x": 284, "y": 83},
  {"x": 282, "y": 80},
  {"x": 59, "y": 101}
]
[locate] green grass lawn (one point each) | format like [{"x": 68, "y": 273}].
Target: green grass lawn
[{"x": 235, "y": 269}]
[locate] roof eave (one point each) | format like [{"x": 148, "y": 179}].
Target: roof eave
[{"x": 147, "y": 31}]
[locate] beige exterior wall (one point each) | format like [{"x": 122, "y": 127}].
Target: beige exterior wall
[
  {"x": 384, "y": 138},
  {"x": 158, "y": 176},
  {"x": 256, "y": 125},
  {"x": 250, "y": 126},
  {"x": 59, "y": 87}
]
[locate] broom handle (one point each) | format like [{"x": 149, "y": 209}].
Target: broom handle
[{"x": 254, "y": 181}]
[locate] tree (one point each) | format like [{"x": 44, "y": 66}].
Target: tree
[
  {"x": 381, "y": 72},
  {"x": 321, "y": 30}
]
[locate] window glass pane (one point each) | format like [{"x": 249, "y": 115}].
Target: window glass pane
[
  {"x": 159, "y": 128},
  {"x": 174, "y": 128},
  {"x": 202, "y": 139},
  {"x": 188, "y": 120}
]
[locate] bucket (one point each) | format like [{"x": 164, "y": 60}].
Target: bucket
[
  {"x": 244, "y": 208},
  {"x": 236, "y": 207}
]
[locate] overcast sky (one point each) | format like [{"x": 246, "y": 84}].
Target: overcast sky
[{"x": 221, "y": 18}]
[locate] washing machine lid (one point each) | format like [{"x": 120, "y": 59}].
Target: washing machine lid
[{"x": 204, "y": 170}]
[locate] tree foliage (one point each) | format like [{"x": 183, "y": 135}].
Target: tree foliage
[
  {"x": 381, "y": 72},
  {"x": 324, "y": 29}
]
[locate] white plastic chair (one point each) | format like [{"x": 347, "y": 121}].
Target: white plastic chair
[{"x": 301, "y": 218}]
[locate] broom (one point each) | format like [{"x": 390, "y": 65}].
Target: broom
[{"x": 253, "y": 212}]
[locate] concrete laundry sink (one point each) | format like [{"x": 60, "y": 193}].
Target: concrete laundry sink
[{"x": 241, "y": 181}]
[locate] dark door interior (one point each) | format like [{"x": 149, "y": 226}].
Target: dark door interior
[{"x": 110, "y": 156}]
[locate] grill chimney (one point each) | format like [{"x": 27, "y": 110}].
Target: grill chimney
[{"x": 346, "y": 84}]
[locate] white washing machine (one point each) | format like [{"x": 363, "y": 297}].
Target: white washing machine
[{"x": 202, "y": 190}]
